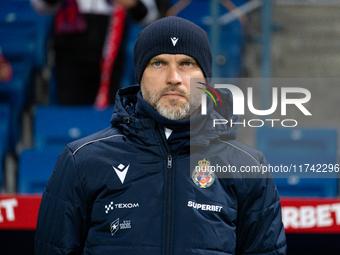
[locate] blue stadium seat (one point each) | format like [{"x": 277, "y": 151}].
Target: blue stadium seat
[
  {"x": 128, "y": 77},
  {"x": 23, "y": 40},
  {"x": 23, "y": 32},
  {"x": 55, "y": 125},
  {"x": 35, "y": 168},
  {"x": 299, "y": 147},
  {"x": 17, "y": 93},
  {"x": 4, "y": 137}
]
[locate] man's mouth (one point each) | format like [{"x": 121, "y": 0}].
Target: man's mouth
[{"x": 173, "y": 95}]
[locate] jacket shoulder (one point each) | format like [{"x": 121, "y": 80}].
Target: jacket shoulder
[
  {"x": 246, "y": 151},
  {"x": 106, "y": 134}
]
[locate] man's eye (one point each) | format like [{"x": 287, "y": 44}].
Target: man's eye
[
  {"x": 188, "y": 63},
  {"x": 157, "y": 63}
]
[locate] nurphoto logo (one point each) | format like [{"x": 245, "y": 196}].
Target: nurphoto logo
[{"x": 295, "y": 96}]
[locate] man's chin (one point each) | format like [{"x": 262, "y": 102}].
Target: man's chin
[{"x": 173, "y": 112}]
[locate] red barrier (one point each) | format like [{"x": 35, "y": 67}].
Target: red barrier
[
  {"x": 19, "y": 212},
  {"x": 312, "y": 215}
]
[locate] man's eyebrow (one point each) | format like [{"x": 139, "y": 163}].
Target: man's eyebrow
[
  {"x": 157, "y": 59},
  {"x": 185, "y": 59},
  {"x": 161, "y": 59}
]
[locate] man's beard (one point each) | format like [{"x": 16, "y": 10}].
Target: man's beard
[{"x": 175, "y": 110}]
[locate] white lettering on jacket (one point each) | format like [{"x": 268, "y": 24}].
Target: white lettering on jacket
[
  {"x": 128, "y": 205},
  {"x": 205, "y": 207}
]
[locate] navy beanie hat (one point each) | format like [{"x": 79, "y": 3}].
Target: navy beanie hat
[{"x": 172, "y": 35}]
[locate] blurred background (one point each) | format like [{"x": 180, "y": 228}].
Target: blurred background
[{"x": 47, "y": 44}]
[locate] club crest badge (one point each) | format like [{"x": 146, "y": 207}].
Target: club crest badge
[{"x": 202, "y": 175}]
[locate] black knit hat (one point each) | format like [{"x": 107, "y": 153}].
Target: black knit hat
[{"x": 172, "y": 35}]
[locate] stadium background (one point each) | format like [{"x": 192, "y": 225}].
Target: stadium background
[{"x": 277, "y": 39}]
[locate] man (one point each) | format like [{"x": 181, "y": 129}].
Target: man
[
  {"x": 130, "y": 189},
  {"x": 84, "y": 32}
]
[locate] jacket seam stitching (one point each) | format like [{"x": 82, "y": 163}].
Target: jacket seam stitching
[
  {"x": 207, "y": 249},
  {"x": 46, "y": 243},
  {"x": 243, "y": 151},
  {"x": 264, "y": 209},
  {"x": 127, "y": 245},
  {"x": 64, "y": 200},
  {"x": 80, "y": 183},
  {"x": 268, "y": 253},
  {"x": 93, "y": 141}
]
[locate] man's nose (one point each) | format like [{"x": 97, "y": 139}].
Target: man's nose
[{"x": 173, "y": 77}]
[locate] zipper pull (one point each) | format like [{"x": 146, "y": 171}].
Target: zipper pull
[{"x": 169, "y": 162}]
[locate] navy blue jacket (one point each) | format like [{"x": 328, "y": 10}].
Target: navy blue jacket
[{"x": 130, "y": 190}]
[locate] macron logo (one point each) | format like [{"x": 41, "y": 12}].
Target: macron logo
[
  {"x": 174, "y": 40},
  {"x": 121, "y": 172}
]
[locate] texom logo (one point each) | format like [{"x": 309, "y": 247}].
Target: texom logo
[{"x": 238, "y": 104}]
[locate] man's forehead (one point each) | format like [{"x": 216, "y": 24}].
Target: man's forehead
[{"x": 169, "y": 56}]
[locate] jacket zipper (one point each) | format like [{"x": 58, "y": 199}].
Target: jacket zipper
[
  {"x": 168, "y": 222},
  {"x": 169, "y": 162},
  {"x": 168, "y": 212},
  {"x": 169, "y": 205}
]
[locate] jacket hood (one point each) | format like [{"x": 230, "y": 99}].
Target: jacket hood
[{"x": 202, "y": 132}]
